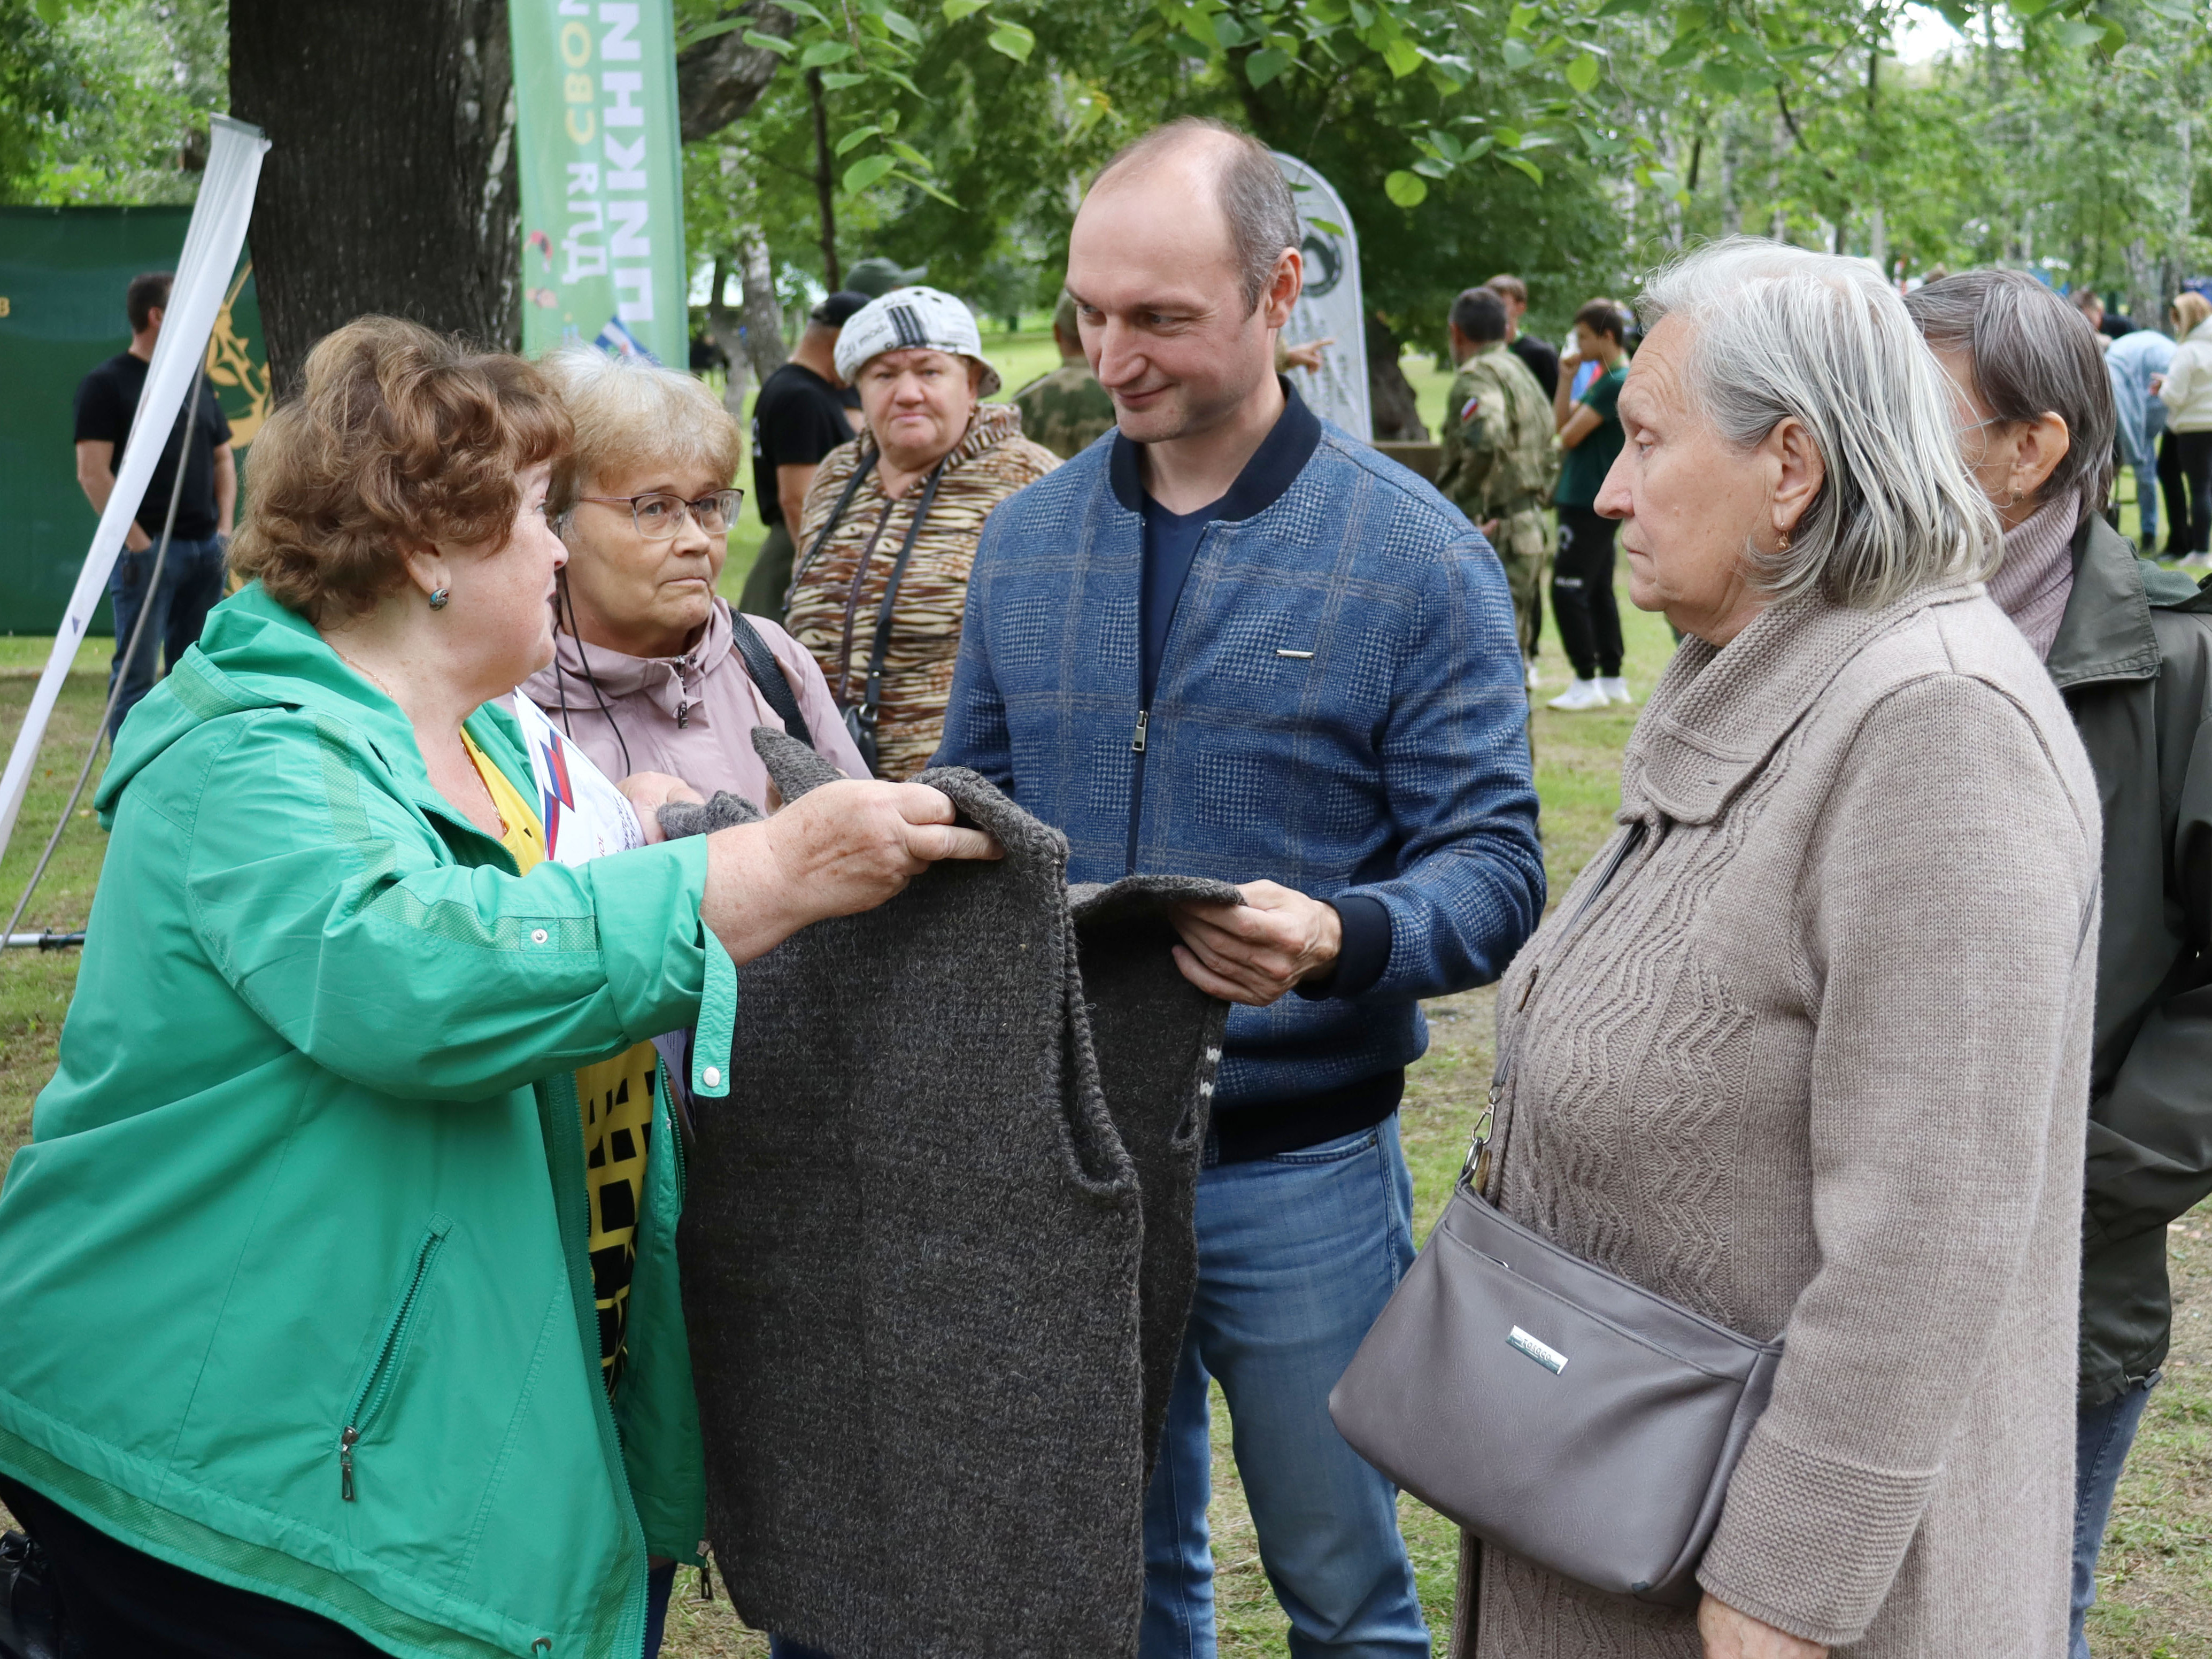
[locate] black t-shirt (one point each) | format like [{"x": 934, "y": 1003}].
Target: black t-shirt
[
  {"x": 1543, "y": 361},
  {"x": 108, "y": 399},
  {"x": 797, "y": 418}
]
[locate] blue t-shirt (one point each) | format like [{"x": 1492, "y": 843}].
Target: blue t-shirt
[{"x": 1170, "y": 544}]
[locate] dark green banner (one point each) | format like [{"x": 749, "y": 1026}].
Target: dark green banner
[{"x": 62, "y": 273}]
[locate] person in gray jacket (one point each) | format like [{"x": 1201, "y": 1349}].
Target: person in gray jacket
[{"x": 2130, "y": 646}]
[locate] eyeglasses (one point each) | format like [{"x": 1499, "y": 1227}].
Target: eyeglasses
[{"x": 659, "y": 516}]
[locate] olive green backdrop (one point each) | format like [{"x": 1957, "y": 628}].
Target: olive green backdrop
[{"x": 62, "y": 273}]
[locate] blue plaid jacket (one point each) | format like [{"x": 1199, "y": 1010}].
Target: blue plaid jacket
[{"x": 1341, "y": 708}]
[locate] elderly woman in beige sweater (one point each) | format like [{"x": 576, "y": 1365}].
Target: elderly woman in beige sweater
[{"x": 1805, "y": 1048}]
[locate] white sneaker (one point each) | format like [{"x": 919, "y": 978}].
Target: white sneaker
[
  {"x": 1616, "y": 690},
  {"x": 1583, "y": 694},
  {"x": 2198, "y": 562},
  {"x": 1534, "y": 679}
]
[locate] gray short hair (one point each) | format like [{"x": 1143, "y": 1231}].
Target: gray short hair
[
  {"x": 2032, "y": 354},
  {"x": 1248, "y": 187},
  {"x": 1783, "y": 333}
]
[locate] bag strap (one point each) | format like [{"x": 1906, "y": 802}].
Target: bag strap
[
  {"x": 829, "y": 525},
  {"x": 883, "y": 640},
  {"x": 767, "y": 674}
]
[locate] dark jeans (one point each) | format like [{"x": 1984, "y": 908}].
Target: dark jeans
[
  {"x": 1582, "y": 594},
  {"x": 2102, "y": 1435},
  {"x": 120, "y": 1604},
  {"x": 783, "y": 1647},
  {"x": 2192, "y": 461},
  {"x": 768, "y": 580},
  {"x": 191, "y": 585}
]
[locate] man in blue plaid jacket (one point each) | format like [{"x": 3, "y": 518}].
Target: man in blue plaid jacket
[{"x": 1230, "y": 640}]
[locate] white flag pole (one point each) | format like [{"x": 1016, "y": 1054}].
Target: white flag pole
[{"x": 211, "y": 248}]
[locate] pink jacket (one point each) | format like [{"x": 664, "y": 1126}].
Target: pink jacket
[{"x": 692, "y": 715}]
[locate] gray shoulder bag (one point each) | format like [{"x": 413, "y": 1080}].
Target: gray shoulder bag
[{"x": 1548, "y": 1405}]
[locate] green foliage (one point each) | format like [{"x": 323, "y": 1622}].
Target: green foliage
[{"x": 107, "y": 100}]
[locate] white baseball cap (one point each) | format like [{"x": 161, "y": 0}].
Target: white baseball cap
[{"x": 912, "y": 319}]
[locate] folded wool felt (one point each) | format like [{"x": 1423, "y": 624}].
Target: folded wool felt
[
  {"x": 935, "y": 1277},
  {"x": 725, "y": 810}
]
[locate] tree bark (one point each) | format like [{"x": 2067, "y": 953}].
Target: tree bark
[
  {"x": 723, "y": 329},
  {"x": 391, "y": 183},
  {"x": 1396, "y": 412},
  {"x": 763, "y": 317},
  {"x": 825, "y": 185},
  {"x": 720, "y": 80}
]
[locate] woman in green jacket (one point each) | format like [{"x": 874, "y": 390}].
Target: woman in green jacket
[{"x": 299, "y": 1348}]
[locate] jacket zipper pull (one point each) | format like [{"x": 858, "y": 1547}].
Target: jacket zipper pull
[
  {"x": 1137, "y": 741},
  {"x": 345, "y": 1463},
  {"x": 706, "y": 1584},
  {"x": 682, "y": 715}
]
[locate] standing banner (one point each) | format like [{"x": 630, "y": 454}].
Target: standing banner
[
  {"x": 602, "y": 166},
  {"x": 1330, "y": 306},
  {"x": 212, "y": 243}
]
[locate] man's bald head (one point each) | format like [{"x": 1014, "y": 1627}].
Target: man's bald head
[{"x": 1234, "y": 171}]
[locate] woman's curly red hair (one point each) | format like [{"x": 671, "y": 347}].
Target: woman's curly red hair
[{"x": 398, "y": 436}]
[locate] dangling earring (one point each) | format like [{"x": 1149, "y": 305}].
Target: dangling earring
[
  {"x": 440, "y": 597},
  {"x": 1782, "y": 548}
]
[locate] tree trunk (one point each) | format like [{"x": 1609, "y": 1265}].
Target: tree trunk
[
  {"x": 824, "y": 187},
  {"x": 719, "y": 80},
  {"x": 1396, "y": 412},
  {"x": 722, "y": 328},
  {"x": 390, "y": 185},
  {"x": 763, "y": 317}
]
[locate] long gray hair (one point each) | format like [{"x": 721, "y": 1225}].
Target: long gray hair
[{"x": 1782, "y": 333}]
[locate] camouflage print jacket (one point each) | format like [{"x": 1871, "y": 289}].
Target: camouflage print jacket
[
  {"x": 838, "y": 589},
  {"x": 1066, "y": 411},
  {"x": 1501, "y": 451}
]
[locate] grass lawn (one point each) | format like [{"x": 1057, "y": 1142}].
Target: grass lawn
[{"x": 2157, "y": 1583}]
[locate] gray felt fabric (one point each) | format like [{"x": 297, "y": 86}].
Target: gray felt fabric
[{"x": 932, "y": 1328}]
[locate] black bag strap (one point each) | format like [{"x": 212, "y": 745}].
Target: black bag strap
[
  {"x": 767, "y": 674},
  {"x": 829, "y": 525},
  {"x": 883, "y": 642}
]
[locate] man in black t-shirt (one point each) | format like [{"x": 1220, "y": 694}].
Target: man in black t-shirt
[
  {"x": 192, "y": 573},
  {"x": 1543, "y": 360},
  {"x": 803, "y": 412}
]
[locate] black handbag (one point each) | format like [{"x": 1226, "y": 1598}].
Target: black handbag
[{"x": 1551, "y": 1406}]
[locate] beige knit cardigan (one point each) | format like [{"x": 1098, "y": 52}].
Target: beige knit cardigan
[{"x": 1814, "y": 1062}]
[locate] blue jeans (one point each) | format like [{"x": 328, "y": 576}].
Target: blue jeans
[
  {"x": 1296, "y": 1255},
  {"x": 191, "y": 585},
  {"x": 2102, "y": 1435}
]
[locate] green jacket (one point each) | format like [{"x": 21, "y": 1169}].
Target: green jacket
[
  {"x": 1501, "y": 446},
  {"x": 2133, "y": 657},
  {"x": 312, "y": 1163}
]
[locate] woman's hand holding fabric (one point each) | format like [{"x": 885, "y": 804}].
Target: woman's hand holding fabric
[
  {"x": 837, "y": 850},
  {"x": 648, "y": 792},
  {"x": 1729, "y": 1634}
]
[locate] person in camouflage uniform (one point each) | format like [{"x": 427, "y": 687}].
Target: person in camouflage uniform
[
  {"x": 1501, "y": 454},
  {"x": 1067, "y": 409}
]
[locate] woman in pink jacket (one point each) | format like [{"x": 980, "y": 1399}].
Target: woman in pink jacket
[{"x": 650, "y": 670}]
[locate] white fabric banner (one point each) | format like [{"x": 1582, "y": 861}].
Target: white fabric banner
[
  {"x": 1330, "y": 306},
  {"x": 212, "y": 242}
]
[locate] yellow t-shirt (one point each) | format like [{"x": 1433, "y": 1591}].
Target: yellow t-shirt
[{"x": 616, "y": 1098}]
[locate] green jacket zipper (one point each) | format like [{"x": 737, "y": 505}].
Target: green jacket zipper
[{"x": 376, "y": 1387}]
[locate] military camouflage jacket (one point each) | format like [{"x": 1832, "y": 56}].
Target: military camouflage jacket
[
  {"x": 1501, "y": 451},
  {"x": 1066, "y": 411}
]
